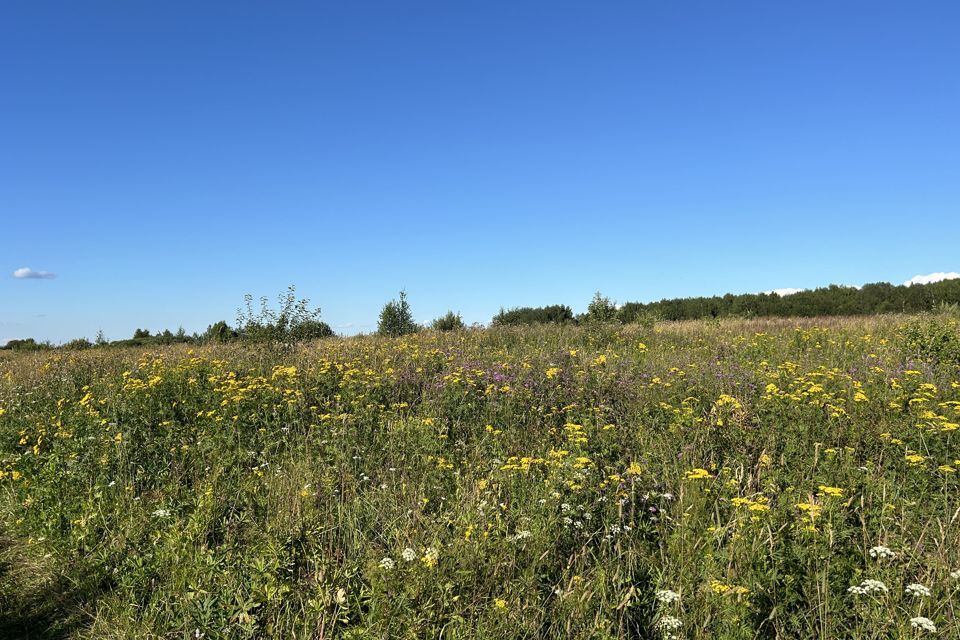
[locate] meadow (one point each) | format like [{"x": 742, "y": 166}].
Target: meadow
[{"x": 703, "y": 479}]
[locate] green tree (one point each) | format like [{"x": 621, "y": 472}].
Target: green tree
[
  {"x": 396, "y": 319},
  {"x": 219, "y": 332},
  {"x": 601, "y": 309}
]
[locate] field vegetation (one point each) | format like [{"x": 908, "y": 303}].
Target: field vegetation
[{"x": 703, "y": 479}]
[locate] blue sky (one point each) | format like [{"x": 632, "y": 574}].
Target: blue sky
[{"x": 164, "y": 158}]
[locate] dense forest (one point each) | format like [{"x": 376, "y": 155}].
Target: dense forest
[
  {"x": 834, "y": 300},
  {"x": 881, "y": 297}
]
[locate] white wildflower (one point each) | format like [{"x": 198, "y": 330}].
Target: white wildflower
[
  {"x": 162, "y": 513},
  {"x": 387, "y": 563},
  {"x": 955, "y": 574},
  {"x": 409, "y": 554},
  {"x": 667, "y": 596},
  {"x": 669, "y": 623},
  {"x": 923, "y": 623},
  {"x": 918, "y": 590},
  {"x": 867, "y": 587},
  {"x": 882, "y": 552}
]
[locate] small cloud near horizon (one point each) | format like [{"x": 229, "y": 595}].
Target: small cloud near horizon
[
  {"x": 932, "y": 277},
  {"x": 26, "y": 273},
  {"x": 786, "y": 291}
]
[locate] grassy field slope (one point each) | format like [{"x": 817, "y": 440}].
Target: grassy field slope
[{"x": 733, "y": 479}]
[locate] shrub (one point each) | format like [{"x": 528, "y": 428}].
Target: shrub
[
  {"x": 935, "y": 338},
  {"x": 27, "y": 344},
  {"x": 292, "y": 322},
  {"x": 78, "y": 344},
  {"x": 449, "y": 322},
  {"x": 219, "y": 332}
]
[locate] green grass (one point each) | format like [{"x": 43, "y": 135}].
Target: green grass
[{"x": 544, "y": 483}]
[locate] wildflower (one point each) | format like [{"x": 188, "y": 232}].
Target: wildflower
[
  {"x": 161, "y": 513},
  {"x": 923, "y": 623},
  {"x": 955, "y": 574},
  {"x": 387, "y": 563},
  {"x": 918, "y": 590},
  {"x": 408, "y": 554},
  {"x": 429, "y": 558},
  {"x": 833, "y": 492},
  {"x": 867, "y": 587},
  {"x": 669, "y": 623},
  {"x": 882, "y": 552},
  {"x": 666, "y": 596},
  {"x": 811, "y": 508},
  {"x": 500, "y": 604},
  {"x": 718, "y": 587},
  {"x": 698, "y": 474}
]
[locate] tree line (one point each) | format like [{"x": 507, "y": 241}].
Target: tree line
[{"x": 293, "y": 320}]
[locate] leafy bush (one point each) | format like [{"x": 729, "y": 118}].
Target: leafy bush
[
  {"x": 294, "y": 321},
  {"x": 219, "y": 332},
  {"x": 78, "y": 344},
  {"x": 449, "y": 322},
  {"x": 27, "y": 344},
  {"x": 935, "y": 338}
]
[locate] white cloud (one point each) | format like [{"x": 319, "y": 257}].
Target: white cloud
[
  {"x": 932, "y": 277},
  {"x": 28, "y": 273},
  {"x": 787, "y": 291}
]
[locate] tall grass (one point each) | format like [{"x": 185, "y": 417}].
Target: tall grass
[{"x": 725, "y": 479}]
